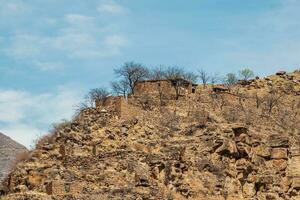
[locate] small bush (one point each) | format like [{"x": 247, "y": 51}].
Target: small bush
[
  {"x": 146, "y": 102},
  {"x": 170, "y": 120},
  {"x": 201, "y": 117},
  {"x": 50, "y": 139},
  {"x": 231, "y": 114},
  {"x": 20, "y": 157}
]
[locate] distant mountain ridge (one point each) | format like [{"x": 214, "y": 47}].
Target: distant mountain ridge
[{"x": 8, "y": 151}]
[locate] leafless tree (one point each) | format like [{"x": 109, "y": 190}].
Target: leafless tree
[
  {"x": 97, "y": 96},
  {"x": 204, "y": 77},
  {"x": 120, "y": 87},
  {"x": 174, "y": 73},
  {"x": 191, "y": 77},
  {"x": 230, "y": 79},
  {"x": 132, "y": 72},
  {"x": 214, "y": 78},
  {"x": 158, "y": 73},
  {"x": 246, "y": 74}
]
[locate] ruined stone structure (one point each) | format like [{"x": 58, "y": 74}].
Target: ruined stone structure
[
  {"x": 168, "y": 87},
  {"x": 120, "y": 106},
  {"x": 220, "y": 88}
]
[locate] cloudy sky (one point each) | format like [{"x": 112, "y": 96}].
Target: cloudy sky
[{"x": 53, "y": 51}]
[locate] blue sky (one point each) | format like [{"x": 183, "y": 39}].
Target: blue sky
[{"x": 53, "y": 51}]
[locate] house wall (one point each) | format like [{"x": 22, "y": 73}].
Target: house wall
[
  {"x": 125, "y": 110},
  {"x": 164, "y": 87},
  {"x": 154, "y": 87}
]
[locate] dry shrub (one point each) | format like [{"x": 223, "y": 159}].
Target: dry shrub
[
  {"x": 20, "y": 157},
  {"x": 80, "y": 108},
  {"x": 271, "y": 101},
  {"x": 201, "y": 117},
  {"x": 146, "y": 102},
  {"x": 45, "y": 139},
  {"x": 288, "y": 117},
  {"x": 170, "y": 120},
  {"x": 231, "y": 114},
  {"x": 51, "y": 137},
  {"x": 250, "y": 116}
]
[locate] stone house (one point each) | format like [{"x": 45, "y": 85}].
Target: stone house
[
  {"x": 120, "y": 106},
  {"x": 166, "y": 87},
  {"x": 220, "y": 89}
]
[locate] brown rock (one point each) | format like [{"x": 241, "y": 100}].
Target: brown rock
[
  {"x": 249, "y": 190},
  {"x": 55, "y": 188},
  {"x": 279, "y": 153},
  {"x": 262, "y": 151},
  {"x": 276, "y": 164},
  {"x": 277, "y": 140},
  {"x": 293, "y": 169},
  {"x": 279, "y": 73}
]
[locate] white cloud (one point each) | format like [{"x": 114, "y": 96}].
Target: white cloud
[
  {"x": 111, "y": 7},
  {"x": 25, "y": 115},
  {"x": 10, "y": 105},
  {"x": 23, "y": 133},
  {"x": 25, "y": 46},
  {"x": 78, "y": 37},
  {"x": 13, "y": 8},
  {"x": 115, "y": 42},
  {"x": 46, "y": 66},
  {"x": 77, "y": 19}
]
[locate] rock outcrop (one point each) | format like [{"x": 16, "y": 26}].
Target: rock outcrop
[{"x": 212, "y": 146}]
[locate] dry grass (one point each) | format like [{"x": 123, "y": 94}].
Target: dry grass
[
  {"x": 51, "y": 137},
  {"x": 46, "y": 139},
  {"x": 20, "y": 157}
]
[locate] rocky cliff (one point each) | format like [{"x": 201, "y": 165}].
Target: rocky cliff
[{"x": 242, "y": 144}]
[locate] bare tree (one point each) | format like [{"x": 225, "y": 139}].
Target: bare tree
[
  {"x": 231, "y": 79},
  {"x": 191, "y": 77},
  {"x": 204, "y": 77},
  {"x": 174, "y": 73},
  {"x": 214, "y": 78},
  {"x": 246, "y": 74},
  {"x": 158, "y": 73},
  {"x": 132, "y": 72},
  {"x": 120, "y": 87},
  {"x": 97, "y": 96}
]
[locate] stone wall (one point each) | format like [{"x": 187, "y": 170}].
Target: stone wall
[
  {"x": 165, "y": 87},
  {"x": 62, "y": 188},
  {"x": 293, "y": 170}
]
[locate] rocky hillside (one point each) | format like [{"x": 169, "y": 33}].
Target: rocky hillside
[
  {"x": 238, "y": 145},
  {"x": 8, "y": 151}
]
